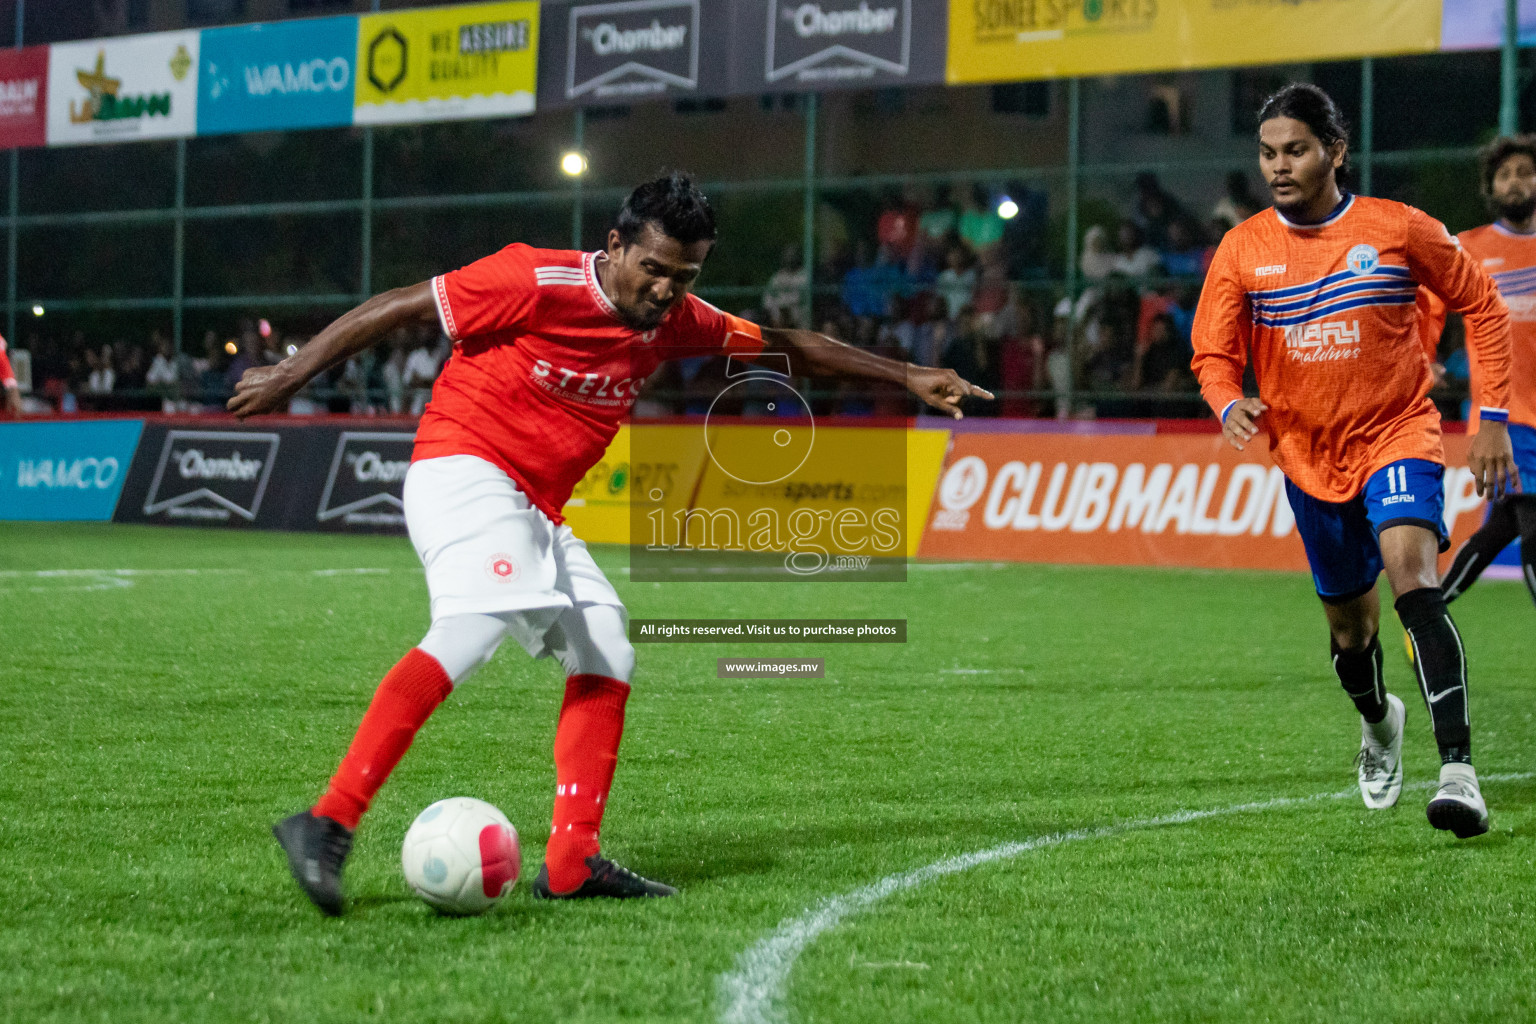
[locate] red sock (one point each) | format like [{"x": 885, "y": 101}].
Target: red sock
[
  {"x": 586, "y": 751},
  {"x": 409, "y": 694}
]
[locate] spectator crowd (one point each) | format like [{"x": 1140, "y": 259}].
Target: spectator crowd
[{"x": 955, "y": 276}]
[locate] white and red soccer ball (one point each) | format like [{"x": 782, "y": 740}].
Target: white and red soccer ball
[{"x": 461, "y": 856}]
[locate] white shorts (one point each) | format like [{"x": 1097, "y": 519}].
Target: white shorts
[{"x": 486, "y": 549}]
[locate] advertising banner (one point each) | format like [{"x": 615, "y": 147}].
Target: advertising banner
[
  {"x": 1479, "y": 24},
  {"x": 23, "y": 97},
  {"x": 285, "y": 477},
  {"x": 1170, "y": 500},
  {"x": 793, "y": 45},
  {"x": 620, "y": 52},
  {"x": 65, "y": 470},
  {"x": 290, "y": 74},
  {"x": 365, "y": 486},
  {"x": 120, "y": 90},
  {"x": 447, "y": 63},
  {"x": 1004, "y": 40}
]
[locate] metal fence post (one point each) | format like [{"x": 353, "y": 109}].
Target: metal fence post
[
  {"x": 179, "y": 252},
  {"x": 14, "y": 206},
  {"x": 365, "y": 269},
  {"x": 1367, "y": 123},
  {"x": 578, "y": 132},
  {"x": 1509, "y": 71},
  {"x": 808, "y": 214},
  {"x": 1074, "y": 133}
]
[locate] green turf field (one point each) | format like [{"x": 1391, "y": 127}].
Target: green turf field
[{"x": 153, "y": 725}]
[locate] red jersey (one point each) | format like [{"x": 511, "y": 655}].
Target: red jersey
[
  {"x": 7, "y": 375},
  {"x": 1510, "y": 259},
  {"x": 543, "y": 370},
  {"x": 1328, "y": 313}
]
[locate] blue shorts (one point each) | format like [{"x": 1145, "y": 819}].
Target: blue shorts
[
  {"x": 1523, "y": 439},
  {"x": 1340, "y": 538}
]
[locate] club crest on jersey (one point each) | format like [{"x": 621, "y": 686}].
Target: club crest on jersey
[
  {"x": 1362, "y": 259},
  {"x": 501, "y": 568},
  {"x": 646, "y": 337}
]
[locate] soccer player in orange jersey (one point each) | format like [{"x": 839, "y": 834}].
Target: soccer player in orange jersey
[
  {"x": 1319, "y": 293},
  {"x": 8, "y": 383},
  {"x": 551, "y": 348},
  {"x": 1507, "y": 251}
]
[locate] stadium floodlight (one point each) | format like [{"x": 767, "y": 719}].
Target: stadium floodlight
[
  {"x": 38, "y": 311},
  {"x": 231, "y": 347},
  {"x": 1007, "y": 208},
  {"x": 574, "y": 163},
  {"x": 292, "y": 349}
]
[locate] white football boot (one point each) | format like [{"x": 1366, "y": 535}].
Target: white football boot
[
  {"x": 1458, "y": 806},
  {"x": 1381, "y": 760}
]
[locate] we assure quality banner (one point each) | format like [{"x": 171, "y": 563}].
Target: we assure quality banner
[
  {"x": 1004, "y": 40},
  {"x": 447, "y": 63}
]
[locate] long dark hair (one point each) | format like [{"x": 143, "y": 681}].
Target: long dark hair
[{"x": 1305, "y": 102}]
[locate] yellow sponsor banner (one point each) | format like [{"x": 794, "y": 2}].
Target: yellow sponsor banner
[
  {"x": 447, "y": 63},
  {"x": 678, "y": 467},
  {"x": 1005, "y": 40},
  {"x": 600, "y": 505}
]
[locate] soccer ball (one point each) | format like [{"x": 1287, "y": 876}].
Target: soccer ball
[{"x": 461, "y": 856}]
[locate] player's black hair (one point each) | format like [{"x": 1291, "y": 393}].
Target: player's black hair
[
  {"x": 1305, "y": 102},
  {"x": 1496, "y": 152},
  {"x": 674, "y": 204}
]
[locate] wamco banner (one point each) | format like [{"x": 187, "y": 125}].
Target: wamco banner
[
  {"x": 447, "y": 63},
  {"x": 119, "y": 90},
  {"x": 1170, "y": 500},
  {"x": 64, "y": 470},
  {"x": 288, "y": 74},
  {"x": 1005, "y": 40}
]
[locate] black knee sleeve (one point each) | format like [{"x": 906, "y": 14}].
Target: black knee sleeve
[
  {"x": 1360, "y": 675},
  {"x": 1441, "y": 665}
]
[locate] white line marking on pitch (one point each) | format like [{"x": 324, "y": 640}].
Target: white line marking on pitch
[{"x": 753, "y": 993}]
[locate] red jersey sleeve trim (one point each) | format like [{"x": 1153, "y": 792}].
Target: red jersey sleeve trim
[{"x": 444, "y": 309}]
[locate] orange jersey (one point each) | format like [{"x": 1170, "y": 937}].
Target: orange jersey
[
  {"x": 1327, "y": 314},
  {"x": 1510, "y": 259}
]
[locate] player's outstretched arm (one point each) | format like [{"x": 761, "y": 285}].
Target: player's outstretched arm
[
  {"x": 268, "y": 388},
  {"x": 816, "y": 355}
]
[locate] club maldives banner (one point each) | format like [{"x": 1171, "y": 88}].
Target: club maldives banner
[
  {"x": 1170, "y": 500},
  {"x": 447, "y": 63},
  {"x": 121, "y": 90},
  {"x": 23, "y": 97},
  {"x": 289, "y": 74},
  {"x": 1000, "y": 40}
]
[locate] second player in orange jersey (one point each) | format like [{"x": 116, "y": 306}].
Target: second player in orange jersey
[
  {"x": 1319, "y": 295},
  {"x": 1506, "y": 249}
]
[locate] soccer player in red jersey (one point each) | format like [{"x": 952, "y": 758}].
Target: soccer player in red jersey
[
  {"x": 550, "y": 350},
  {"x": 1320, "y": 294},
  {"x": 1507, "y": 251},
  {"x": 8, "y": 383}
]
